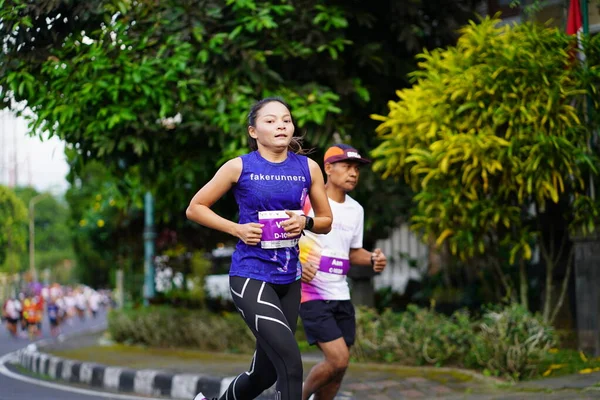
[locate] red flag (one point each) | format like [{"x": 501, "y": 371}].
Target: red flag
[
  {"x": 574, "y": 24},
  {"x": 574, "y": 18}
]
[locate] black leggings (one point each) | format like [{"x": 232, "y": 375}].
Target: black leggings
[{"x": 271, "y": 313}]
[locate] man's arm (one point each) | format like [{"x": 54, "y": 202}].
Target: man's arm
[
  {"x": 366, "y": 258},
  {"x": 360, "y": 257}
]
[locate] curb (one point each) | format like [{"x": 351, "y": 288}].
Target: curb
[
  {"x": 146, "y": 382},
  {"x": 123, "y": 380}
]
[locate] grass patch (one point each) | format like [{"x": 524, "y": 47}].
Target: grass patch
[
  {"x": 560, "y": 362},
  {"x": 195, "y": 361},
  {"x": 107, "y": 354},
  {"x": 24, "y": 371}
]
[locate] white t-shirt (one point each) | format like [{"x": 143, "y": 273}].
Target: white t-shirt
[
  {"x": 81, "y": 301},
  {"x": 70, "y": 302},
  {"x": 62, "y": 305},
  {"x": 55, "y": 291},
  {"x": 94, "y": 301},
  {"x": 12, "y": 310},
  {"x": 346, "y": 233}
]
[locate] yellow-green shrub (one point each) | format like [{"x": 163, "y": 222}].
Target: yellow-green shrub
[
  {"x": 489, "y": 127},
  {"x": 508, "y": 342},
  {"x": 488, "y": 136}
]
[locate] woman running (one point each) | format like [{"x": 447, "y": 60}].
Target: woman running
[{"x": 270, "y": 185}]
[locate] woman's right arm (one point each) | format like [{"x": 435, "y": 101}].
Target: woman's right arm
[{"x": 199, "y": 209}]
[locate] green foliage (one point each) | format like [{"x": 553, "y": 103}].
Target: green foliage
[
  {"x": 164, "y": 327},
  {"x": 489, "y": 130},
  {"x": 508, "y": 342},
  {"x": 106, "y": 225},
  {"x": 491, "y": 140},
  {"x": 588, "y": 209},
  {"x": 200, "y": 267},
  {"x": 511, "y": 343},
  {"x": 13, "y": 226},
  {"x": 53, "y": 245},
  {"x": 559, "y": 362},
  {"x": 418, "y": 336},
  {"x": 184, "y": 286},
  {"x": 159, "y": 90},
  {"x": 530, "y": 7}
]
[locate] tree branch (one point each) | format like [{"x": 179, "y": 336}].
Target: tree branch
[
  {"x": 564, "y": 287},
  {"x": 502, "y": 277},
  {"x": 543, "y": 248},
  {"x": 564, "y": 241},
  {"x": 523, "y": 284}
]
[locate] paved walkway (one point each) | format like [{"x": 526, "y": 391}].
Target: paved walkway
[{"x": 363, "y": 381}]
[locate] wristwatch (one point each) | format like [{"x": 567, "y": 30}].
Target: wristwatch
[{"x": 309, "y": 223}]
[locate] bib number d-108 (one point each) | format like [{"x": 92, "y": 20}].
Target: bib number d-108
[{"x": 273, "y": 234}]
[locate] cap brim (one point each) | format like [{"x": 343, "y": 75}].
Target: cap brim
[{"x": 343, "y": 157}]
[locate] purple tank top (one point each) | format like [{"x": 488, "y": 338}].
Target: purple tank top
[{"x": 265, "y": 190}]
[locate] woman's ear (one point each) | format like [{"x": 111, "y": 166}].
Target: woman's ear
[{"x": 252, "y": 132}]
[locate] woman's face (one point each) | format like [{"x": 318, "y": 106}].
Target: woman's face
[{"x": 274, "y": 127}]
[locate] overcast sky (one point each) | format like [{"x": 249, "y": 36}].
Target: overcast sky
[{"x": 40, "y": 163}]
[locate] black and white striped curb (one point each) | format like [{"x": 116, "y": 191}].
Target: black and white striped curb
[{"x": 124, "y": 380}]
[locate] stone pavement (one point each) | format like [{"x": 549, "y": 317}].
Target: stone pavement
[{"x": 363, "y": 380}]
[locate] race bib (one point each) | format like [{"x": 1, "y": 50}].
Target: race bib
[
  {"x": 273, "y": 234},
  {"x": 334, "y": 262}
]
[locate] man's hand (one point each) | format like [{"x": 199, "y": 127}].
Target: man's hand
[
  {"x": 379, "y": 260},
  {"x": 308, "y": 272}
]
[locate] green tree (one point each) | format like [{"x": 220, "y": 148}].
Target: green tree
[
  {"x": 491, "y": 141},
  {"x": 53, "y": 244},
  {"x": 106, "y": 225},
  {"x": 13, "y": 229},
  {"x": 164, "y": 86}
]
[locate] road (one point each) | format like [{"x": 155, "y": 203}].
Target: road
[{"x": 18, "y": 387}]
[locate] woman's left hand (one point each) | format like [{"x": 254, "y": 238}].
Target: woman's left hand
[{"x": 295, "y": 225}]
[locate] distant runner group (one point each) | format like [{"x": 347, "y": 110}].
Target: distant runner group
[{"x": 24, "y": 313}]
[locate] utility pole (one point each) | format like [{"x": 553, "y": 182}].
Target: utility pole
[
  {"x": 120, "y": 298},
  {"x": 149, "y": 235},
  {"x": 29, "y": 172},
  {"x": 3, "y": 148},
  {"x": 15, "y": 157},
  {"x": 32, "y": 203},
  {"x": 585, "y": 21}
]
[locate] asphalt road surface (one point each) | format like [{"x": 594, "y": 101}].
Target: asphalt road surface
[{"x": 15, "y": 386}]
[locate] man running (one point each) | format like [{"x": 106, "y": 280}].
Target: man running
[{"x": 326, "y": 310}]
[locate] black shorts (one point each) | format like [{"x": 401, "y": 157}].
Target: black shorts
[
  {"x": 328, "y": 320},
  {"x": 12, "y": 321}
]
